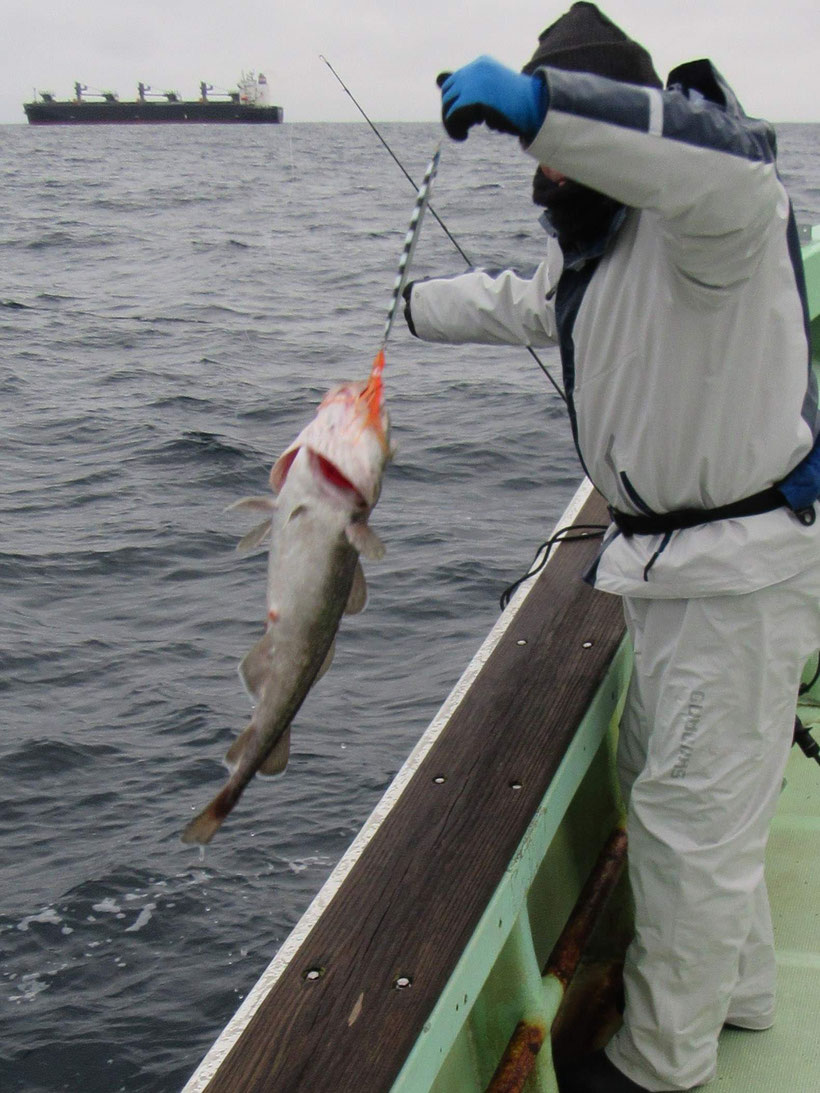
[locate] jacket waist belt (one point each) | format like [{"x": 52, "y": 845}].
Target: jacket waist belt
[{"x": 661, "y": 523}]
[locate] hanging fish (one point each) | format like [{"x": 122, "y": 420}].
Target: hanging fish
[
  {"x": 326, "y": 485},
  {"x": 327, "y": 482}
]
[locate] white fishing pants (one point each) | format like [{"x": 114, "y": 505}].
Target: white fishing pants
[{"x": 704, "y": 742}]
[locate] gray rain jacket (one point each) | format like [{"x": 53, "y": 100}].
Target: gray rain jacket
[{"x": 684, "y": 336}]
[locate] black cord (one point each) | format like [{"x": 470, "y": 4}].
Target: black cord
[
  {"x": 808, "y": 686},
  {"x": 802, "y": 736},
  {"x": 573, "y": 533},
  {"x": 433, "y": 213},
  {"x": 805, "y": 741}
]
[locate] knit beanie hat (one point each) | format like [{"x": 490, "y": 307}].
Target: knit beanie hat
[{"x": 584, "y": 40}]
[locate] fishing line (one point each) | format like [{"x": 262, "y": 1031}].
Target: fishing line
[
  {"x": 572, "y": 533},
  {"x": 433, "y": 212},
  {"x": 576, "y": 533},
  {"x": 396, "y": 160}
]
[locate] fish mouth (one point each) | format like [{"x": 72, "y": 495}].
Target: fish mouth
[
  {"x": 348, "y": 414},
  {"x": 365, "y": 399},
  {"x": 321, "y": 465},
  {"x": 331, "y": 473}
]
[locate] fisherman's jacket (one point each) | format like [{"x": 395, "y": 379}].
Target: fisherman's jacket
[{"x": 684, "y": 334}]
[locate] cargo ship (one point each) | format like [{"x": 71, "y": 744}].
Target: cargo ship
[{"x": 248, "y": 103}]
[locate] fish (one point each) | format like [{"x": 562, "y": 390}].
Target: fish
[{"x": 324, "y": 487}]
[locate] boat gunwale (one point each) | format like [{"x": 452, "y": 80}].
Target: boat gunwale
[{"x": 231, "y": 1033}]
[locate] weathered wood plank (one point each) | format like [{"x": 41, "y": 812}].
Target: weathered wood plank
[{"x": 387, "y": 943}]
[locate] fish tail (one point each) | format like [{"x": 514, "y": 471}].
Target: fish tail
[{"x": 204, "y": 826}]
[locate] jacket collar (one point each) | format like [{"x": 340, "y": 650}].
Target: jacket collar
[{"x": 577, "y": 256}]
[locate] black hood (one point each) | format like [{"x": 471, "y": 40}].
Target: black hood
[{"x": 703, "y": 77}]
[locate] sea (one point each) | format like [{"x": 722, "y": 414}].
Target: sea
[{"x": 174, "y": 302}]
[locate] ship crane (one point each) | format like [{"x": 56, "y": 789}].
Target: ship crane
[
  {"x": 107, "y": 96},
  {"x": 218, "y": 92},
  {"x": 144, "y": 92}
]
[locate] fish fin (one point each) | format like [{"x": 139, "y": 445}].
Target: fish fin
[
  {"x": 279, "y": 471},
  {"x": 203, "y": 827},
  {"x": 254, "y": 666},
  {"x": 234, "y": 752},
  {"x": 365, "y": 540},
  {"x": 255, "y": 537},
  {"x": 358, "y": 592},
  {"x": 296, "y": 512},
  {"x": 326, "y": 663},
  {"x": 265, "y": 503},
  {"x": 277, "y": 758},
  {"x": 275, "y": 761}
]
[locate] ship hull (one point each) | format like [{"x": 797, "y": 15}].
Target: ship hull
[{"x": 148, "y": 113}]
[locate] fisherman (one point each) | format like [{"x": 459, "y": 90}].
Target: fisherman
[{"x": 672, "y": 283}]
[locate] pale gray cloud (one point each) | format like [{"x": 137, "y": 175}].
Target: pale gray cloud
[{"x": 387, "y": 51}]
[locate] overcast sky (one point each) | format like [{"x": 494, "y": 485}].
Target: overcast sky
[{"x": 387, "y": 51}]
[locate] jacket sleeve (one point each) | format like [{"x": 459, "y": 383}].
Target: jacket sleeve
[
  {"x": 488, "y": 308},
  {"x": 707, "y": 172}
]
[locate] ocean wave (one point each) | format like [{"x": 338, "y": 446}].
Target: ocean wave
[
  {"x": 196, "y": 445},
  {"x": 178, "y": 327}
]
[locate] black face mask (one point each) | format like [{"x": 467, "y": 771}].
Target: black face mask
[{"x": 579, "y": 215}]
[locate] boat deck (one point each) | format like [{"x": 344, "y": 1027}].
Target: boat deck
[{"x": 787, "y": 1055}]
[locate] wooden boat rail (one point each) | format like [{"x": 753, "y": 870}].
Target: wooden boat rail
[{"x": 345, "y": 1008}]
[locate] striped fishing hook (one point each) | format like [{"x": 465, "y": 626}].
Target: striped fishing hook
[{"x": 410, "y": 240}]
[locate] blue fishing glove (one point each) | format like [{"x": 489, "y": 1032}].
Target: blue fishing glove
[{"x": 487, "y": 91}]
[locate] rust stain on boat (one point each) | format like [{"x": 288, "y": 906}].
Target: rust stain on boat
[
  {"x": 565, "y": 956},
  {"x": 518, "y": 1060}
]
